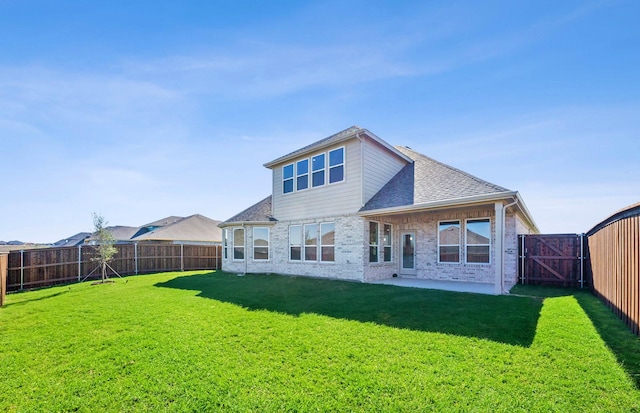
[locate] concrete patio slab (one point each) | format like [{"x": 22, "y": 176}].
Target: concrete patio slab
[{"x": 459, "y": 286}]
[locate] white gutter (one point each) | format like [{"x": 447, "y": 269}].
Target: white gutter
[
  {"x": 243, "y": 223},
  {"x": 455, "y": 202}
]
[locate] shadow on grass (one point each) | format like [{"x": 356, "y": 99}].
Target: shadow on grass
[
  {"x": 503, "y": 319},
  {"x": 26, "y": 301},
  {"x": 618, "y": 337}
]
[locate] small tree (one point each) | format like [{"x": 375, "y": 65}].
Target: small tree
[{"x": 105, "y": 249}]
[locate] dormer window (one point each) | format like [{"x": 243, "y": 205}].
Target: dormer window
[{"x": 317, "y": 167}]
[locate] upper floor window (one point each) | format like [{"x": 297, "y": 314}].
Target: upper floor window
[
  {"x": 336, "y": 165},
  {"x": 287, "y": 179},
  {"x": 478, "y": 240},
  {"x": 302, "y": 175},
  {"x": 317, "y": 169},
  {"x": 449, "y": 241}
]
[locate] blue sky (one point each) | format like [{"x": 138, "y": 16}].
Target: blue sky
[{"x": 140, "y": 110}]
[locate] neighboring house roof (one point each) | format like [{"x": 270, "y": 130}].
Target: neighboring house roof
[
  {"x": 192, "y": 228},
  {"x": 72, "y": 241},
  {"x": 427, "y": 180},
  {"x": 122, "y": 233},
  {"x": 164, "y": 221},
  {"x": 341, "y": 136},
  {"x": 259, "y": 212}
]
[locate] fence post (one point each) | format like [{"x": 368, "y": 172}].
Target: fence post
[
  {"x": 522, "y": 255},
  {"x": 182, "y": 257},
  {"x": 4, "y": 259},
  {"x": 581, "y": 260},
  {"x": 79, "y": 262},
  {"x": 135, "y": 256},
  {"x": 21, "y": 269}
]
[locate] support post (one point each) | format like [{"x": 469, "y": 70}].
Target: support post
[{"x": 135, "y": 257}]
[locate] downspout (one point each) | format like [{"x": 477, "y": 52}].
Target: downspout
[{"x": 503, "y": 235}]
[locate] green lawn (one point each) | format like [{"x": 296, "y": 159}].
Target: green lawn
[{"x": 210, "y": 341}]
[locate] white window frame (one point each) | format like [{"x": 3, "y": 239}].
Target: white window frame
[
  {"x": 387, "y": 243},
  {"x": 321, "y": 245},
  {"x": 374, "y": 245},
  {"x": 304, "y": 241},
  {"x": 292, "y": 179},
  {"x": 244, "y": 240},
  {"x": 323, "y": 169},
  {"x": 459, "y": 244},
  {"x": 261, "y": 246},
  {"x": 305, "y": 175},
  {"x": 343, "y": 164},
  {"x": 467, "y": 245},
  {"x": 300, "y": 245},
  {"x": 225, "y": 243}
]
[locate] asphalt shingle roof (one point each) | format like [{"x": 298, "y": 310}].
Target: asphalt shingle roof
[
  {"x": 427, "y": 180},
  {"x": 192, "y": 228},
  {"x": 259, "y": 212}
]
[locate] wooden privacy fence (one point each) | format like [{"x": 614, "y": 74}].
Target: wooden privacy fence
[
  {"x": 49, "y": 266},
  {"x": 614, "y": 251},
  {"x": 556, "y": 259}
]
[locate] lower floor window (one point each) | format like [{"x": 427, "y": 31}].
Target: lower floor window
[
  {"x": 238, "y": 244},
  {"x": 327, "y": 241},
  {"x": 312, "y": 242},
  {"x": 478, "y": 240},
  {"x": 260, "y": 243}
]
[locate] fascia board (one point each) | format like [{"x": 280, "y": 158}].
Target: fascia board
[{"x": 449, "y": 203}]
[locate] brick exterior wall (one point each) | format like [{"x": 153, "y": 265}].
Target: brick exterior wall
[
  {"x": 349, "y": 252},
  {"x": 351, "y": 249}
]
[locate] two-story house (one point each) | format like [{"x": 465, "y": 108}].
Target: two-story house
[{"x": 353, "y": 207}]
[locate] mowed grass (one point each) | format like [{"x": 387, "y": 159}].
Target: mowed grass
[{"x": 210, "y": 341}]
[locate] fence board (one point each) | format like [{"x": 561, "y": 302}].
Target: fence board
[
  {"x": 614, "y": 251},
  {"x": 51, "y": 266}
]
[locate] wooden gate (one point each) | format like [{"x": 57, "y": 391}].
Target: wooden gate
[{"x": 552, "y": 259}]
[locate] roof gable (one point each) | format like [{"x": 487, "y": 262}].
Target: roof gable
[{"x": 349, "y": 133}]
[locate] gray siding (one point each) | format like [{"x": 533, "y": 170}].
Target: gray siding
[
  {"x": 379, "y": 167},
  {"x": 335, "y": 199}
]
